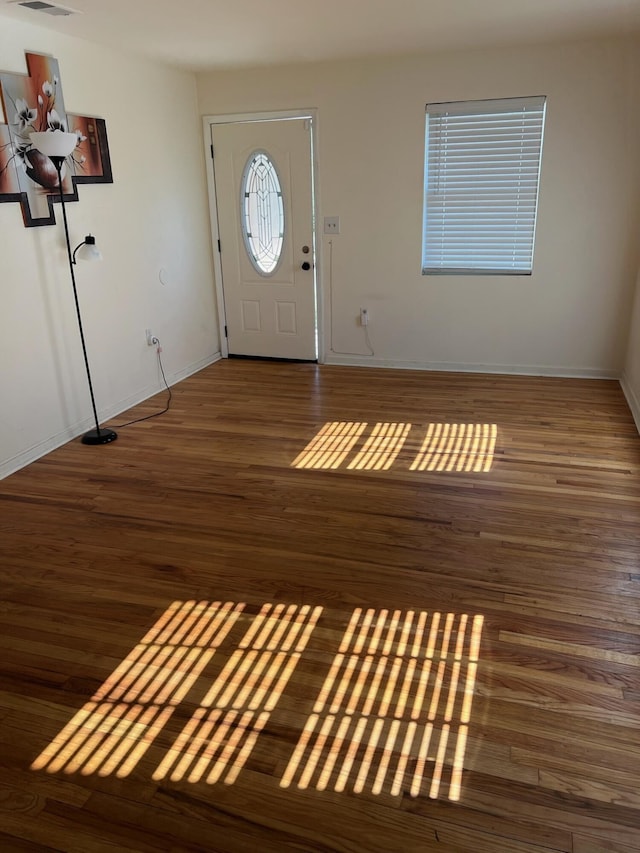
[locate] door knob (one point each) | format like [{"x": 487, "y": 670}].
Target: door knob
[{"x": 306, "y": 265}]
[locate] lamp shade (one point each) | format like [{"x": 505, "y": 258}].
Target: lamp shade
[
  {"x": 54, "y": 143},
  {"x": 88, "y": 251}
]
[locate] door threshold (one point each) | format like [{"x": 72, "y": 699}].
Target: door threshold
[{"x": 274, "y": 358}]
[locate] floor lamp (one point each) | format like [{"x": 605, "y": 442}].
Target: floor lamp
[{"x": 58, "y": 145}]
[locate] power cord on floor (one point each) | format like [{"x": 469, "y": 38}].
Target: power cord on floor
[{"x": 155, "y": 341}]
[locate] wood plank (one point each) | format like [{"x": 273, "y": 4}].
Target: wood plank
[
  {"x": 583, "y": 844},
  {"x": 574, "y": 649}
]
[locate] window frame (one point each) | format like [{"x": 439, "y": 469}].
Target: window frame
[{"x": 532, "y": 109}]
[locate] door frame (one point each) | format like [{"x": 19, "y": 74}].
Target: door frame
[{"x": 208, "y": 122}]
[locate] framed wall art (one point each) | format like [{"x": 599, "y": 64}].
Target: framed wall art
[{"x": 35, "y": 102}]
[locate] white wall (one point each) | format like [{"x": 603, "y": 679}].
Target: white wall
[
  {"x": 631, "y": 373},
  {"x": 154, "y": 216},
  {"x": 570, "y": 316}
]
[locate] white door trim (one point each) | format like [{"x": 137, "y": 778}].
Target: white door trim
[{"x": 207, "y": 122}]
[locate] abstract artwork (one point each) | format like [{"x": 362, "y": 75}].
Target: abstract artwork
[{"x": 34, "y": 102}]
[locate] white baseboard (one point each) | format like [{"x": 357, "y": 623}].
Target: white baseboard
[
  {"x": 26, "y": 457},
  {"x": 632, "y": 399},
  {"x": 455, "y": 367},
  {"x": 190, "y": 369}
]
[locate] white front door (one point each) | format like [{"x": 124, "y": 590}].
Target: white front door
[{"x": 264, "y": 198}]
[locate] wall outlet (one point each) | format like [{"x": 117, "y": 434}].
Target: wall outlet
[
  {"x": 150, "y": 336},
  {"x": 332, "y": 225},
  {"x": 364, "y": 317}
]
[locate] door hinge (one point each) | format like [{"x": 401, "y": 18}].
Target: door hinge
[
  {"x": 219, "y": 246},
  {"x": 226, "y": 334},
  {"x": 211, "y": 151}
]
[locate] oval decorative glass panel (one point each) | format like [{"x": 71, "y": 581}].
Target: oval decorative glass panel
[{"x": 262, "y": 213}]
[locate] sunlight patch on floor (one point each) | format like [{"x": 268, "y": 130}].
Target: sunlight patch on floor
[
  {"x": 394, "y": 710},
  {"x": 112, "y": 732},
  {"x": 242, "y": 698},
  {"x": 330, "y": 447},
  {"x": 444, "y": 447},
  {"x": 381, "y": 448},
  {"x": 457, "y": 447},
  {"x": 391, "y": 714}
]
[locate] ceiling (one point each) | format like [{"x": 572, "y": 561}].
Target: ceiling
[{"x": 210, "y": 34}]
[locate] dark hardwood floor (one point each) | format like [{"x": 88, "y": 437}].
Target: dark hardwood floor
[{"x": 328, "y": 609}]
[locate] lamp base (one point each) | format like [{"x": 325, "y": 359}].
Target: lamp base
[{"x": 102, "y": 436}]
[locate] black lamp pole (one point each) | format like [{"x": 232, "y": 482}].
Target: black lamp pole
[{"x": 97, "y": 435}]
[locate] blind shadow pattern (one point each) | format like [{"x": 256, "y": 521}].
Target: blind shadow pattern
[
  {"x": 381, "y": 448},
  {"x": 222, "y": 733},
  {"x": 111, "y": 733},
  {"x": 444, "y": 447},
  {"x": 457, "y": 447},
  {"x": 394, "y": 710},
  {"x": 392, "y": 713},
  {"x": 331, "y": 446}
]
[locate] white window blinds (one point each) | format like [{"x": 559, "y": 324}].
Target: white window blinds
[{"x": 482, "y": 172}]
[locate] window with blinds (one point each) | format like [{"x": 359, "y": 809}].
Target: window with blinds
[{"x": 482, "y": 169}]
